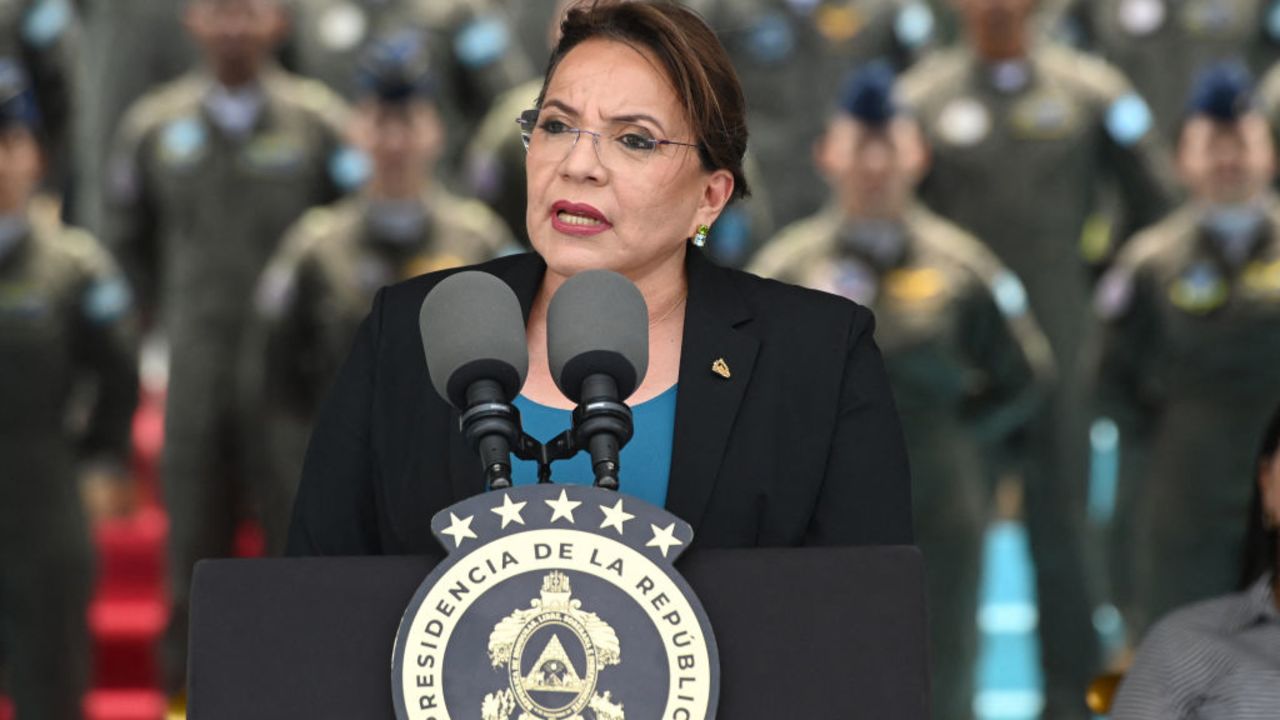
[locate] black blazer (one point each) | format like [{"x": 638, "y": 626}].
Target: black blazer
[{"x": 800, "y": 446}]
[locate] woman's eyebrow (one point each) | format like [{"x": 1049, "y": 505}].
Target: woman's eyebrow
[{"x": 627, "y": 118}]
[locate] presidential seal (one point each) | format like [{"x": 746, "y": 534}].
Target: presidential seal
[{"x": 556, "y": 602}]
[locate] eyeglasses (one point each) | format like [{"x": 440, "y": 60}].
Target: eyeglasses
[{"x": 552, "y": 138}]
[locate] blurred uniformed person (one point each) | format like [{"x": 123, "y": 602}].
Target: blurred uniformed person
[
  {"x": 127, "y": 48},
  {"x": 474, "y": 54},
  {"x": 1160, "y": 44},
  {"x": 965, "y": 358},
  {"x": 1190, "y": 351},
  {"x": 40, "y": 37},
  {"x": 1023, "y": 136},
  {"x": 493, "y": 170},
  {"x": 211, "y": 171},
  {"x": 322, "y": 281},
  {"x": 790, "y": 55},
  {"x": 65, "y": 321}
]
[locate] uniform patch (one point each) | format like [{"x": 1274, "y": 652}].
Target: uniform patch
[
  {"x": 424, "y": 263},
  {"x": 343, "y": 27},
  {"x": 1141, "y": 17},
  {"x": 1044, "y": 117},
  {"x": 914, "y": 25},
  {"x": 771, "y": 40},
  {"x": 481, "y": 42},
  {"x": 107, "y": 301},
  {"x": 46, "y": 22},
  {"x": 1209, "y": 17},
  {"x": 349, "y": 168},
  {"x": 183, "y": 143},
  {"x": 964, "y": 122},
  {"x": 1010, "y": 295},
  {"x": 1114, "y": 295},
  {"x": 275, "y": 153},
  {"x": 1262, "y": 279},
  {"x": 1201, "y": 289},
  {"x": 1129, "y": 120},
  {"x": 919, "y": 287},
  {"x": 839, "y": 23},
  {"x": 556, "y": 601},
  {"x": 849, "y": 278}
]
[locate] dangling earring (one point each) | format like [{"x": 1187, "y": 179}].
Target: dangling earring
[{"x": 700, "y": 239}]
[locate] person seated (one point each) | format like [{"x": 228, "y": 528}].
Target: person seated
[{"x": 1220, "y": 658}]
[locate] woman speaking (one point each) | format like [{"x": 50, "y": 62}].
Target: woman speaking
[{"x": 781, "y": 428}]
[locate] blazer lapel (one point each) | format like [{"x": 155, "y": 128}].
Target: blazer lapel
[
  {"x": 466, "y": 475},
  {"x": 716, "y": 361}
]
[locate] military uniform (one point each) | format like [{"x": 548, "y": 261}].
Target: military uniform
[
  {"x": 1019, "y": 152},
  {"x": 789, "y": 57},
  {"x": 1161, "y": 44},
  {"x": 198, "y": 206},
  {"x": 65, "y": 317},
  {"x": 966, "y": 363},
  {"x": 314, "y": 295},
  {"x": 474, "y": 56},
  {"x": 40, "y": 36},
  {"x": 494, "y": 171},
  {"x": 1188, "y": 367},
  {"x": 128, "y": 47}
]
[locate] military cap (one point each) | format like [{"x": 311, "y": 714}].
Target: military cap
[
  {"x": 17, "y": 99},
  {"x": 1222, "y": 91},
  {"x": 867, "y": 94},
  {"x": 396, "y": 69}
]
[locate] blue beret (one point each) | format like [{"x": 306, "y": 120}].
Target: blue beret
[
  {"x": 1223, "y": 91},
  {"x": 867, "y": 94},
  {"x": 395, "y": 69},
  {"x": 17, "y": 100}
]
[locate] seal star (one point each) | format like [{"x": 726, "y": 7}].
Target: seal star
[
  {"x": 663, "y": 538},
  {"x": 614, "y": 517},
  {"x": 563, "y": 507},
  {"x": 509, "y": 512},
  {"x": 459, "y": 529}
]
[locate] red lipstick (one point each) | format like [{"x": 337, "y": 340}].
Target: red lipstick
[{"x": 578, "y": 219}]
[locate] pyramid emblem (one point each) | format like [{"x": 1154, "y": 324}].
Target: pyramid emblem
[{"x": 553, "y": 672}]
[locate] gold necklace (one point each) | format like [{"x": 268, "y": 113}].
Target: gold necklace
[{"x": 667, "y": 314}]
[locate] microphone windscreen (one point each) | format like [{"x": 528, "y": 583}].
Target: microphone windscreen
[
  {"x": 598, "y": 323},
  {"x": 473, "y": 329}
]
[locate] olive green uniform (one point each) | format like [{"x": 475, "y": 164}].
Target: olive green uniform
[
  {"x": 790, "y": 57},
  {"x": 312, "y": 298},
  {"x": 1187, "y": 367},
  {"x": 474, "y": 56},
  {"x": 195, "y": 214},
  {"x": 1019, "y": 152},
  {"x": 494, "y": 171},
  {"x": 1161, "y": 45},
  {"x": 128, "y": 47},
  {"x": 967, "y": 364},
  {"x": 41, "y": 37},
  {"x": 65, "y": 319}
]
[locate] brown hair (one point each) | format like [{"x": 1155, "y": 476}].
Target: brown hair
[{"x": 695, "y": 61}]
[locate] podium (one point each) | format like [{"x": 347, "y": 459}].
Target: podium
[{"x": 802, "y": 632}]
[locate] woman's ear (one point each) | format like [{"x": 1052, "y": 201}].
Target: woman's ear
[{"x": 716, "y": 194}]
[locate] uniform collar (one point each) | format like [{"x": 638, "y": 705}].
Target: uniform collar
[
  {"x": 238, "y": 113},
  {"x": 1239, "y": 233},
  {"x": 1004, "y": 77},
  {"x": 883, "y": 243}
]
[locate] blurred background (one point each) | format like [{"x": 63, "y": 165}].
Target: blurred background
[{"x": 1062, "y": 212}]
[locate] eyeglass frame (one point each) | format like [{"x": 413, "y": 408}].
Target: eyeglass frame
[{"x": 529, "y": 119}]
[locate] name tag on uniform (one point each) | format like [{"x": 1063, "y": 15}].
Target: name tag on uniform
[
  {"x": 916, "y": 288},
  {"x": 275, "y": 153},
  {"x": 1044, "y": 117}
]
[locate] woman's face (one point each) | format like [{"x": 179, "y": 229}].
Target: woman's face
[{"x": 598, "y": 202}]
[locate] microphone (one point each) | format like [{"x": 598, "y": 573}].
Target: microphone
[
  {"x": 598, "y": 350},
  {"x": 474, "y": 338}
]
